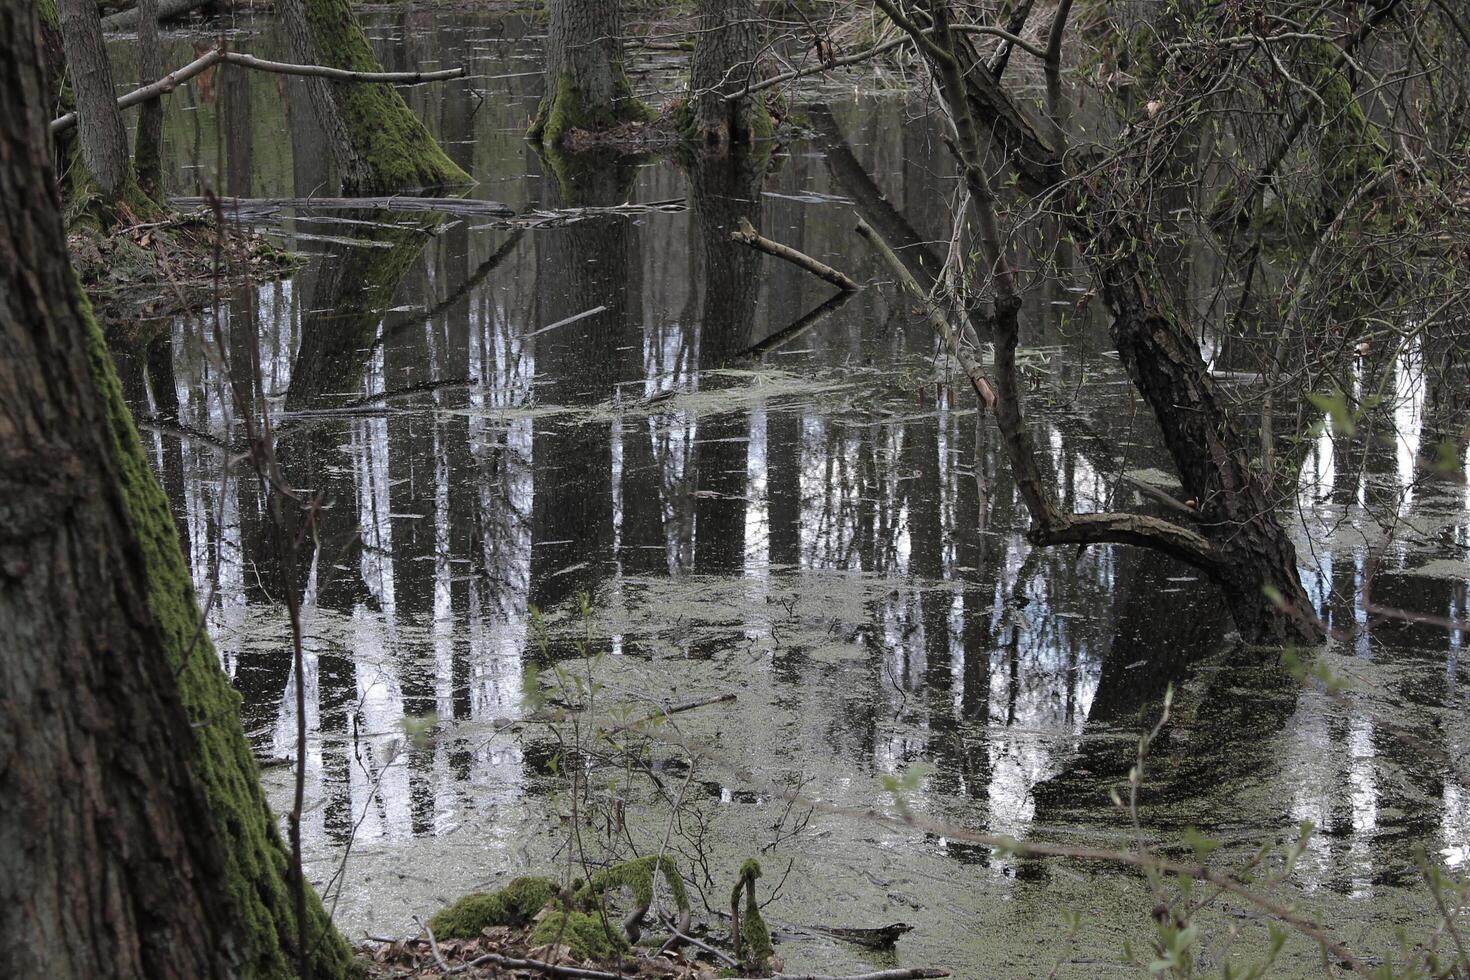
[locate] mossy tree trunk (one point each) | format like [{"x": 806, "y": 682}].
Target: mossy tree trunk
[
  {"x": 726, "y": 49},
  {"x": 257, "y": 871},
  {"x": 110, "y": 863},
  {"x": 378, "y": 143},
  {"x": 586, "y": 84}
]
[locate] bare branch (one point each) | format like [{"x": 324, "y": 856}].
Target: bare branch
[
  {"x": 747, "y": 234},
  {"x": 218, "y": 55}
]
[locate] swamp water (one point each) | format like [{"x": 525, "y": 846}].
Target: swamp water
[{"x": 500, "y": 416}]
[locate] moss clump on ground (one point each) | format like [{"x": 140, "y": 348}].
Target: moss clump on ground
[
  {"x": 257, "y": 863},
  {"x": 514, "y": 905},
  {"x": 589, "y": 937}
]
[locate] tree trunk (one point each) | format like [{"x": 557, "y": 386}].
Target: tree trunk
[
  {"x": 586, "y": 86},
  {"x": 104, "y": 141},
  {"x": 110, "y": 865},
  {"x": 148, "y": 141},
  {"x": 378, "y": 143},
  {"x": 725, "y": 54}
]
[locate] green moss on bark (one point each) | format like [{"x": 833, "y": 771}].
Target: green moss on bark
[
  {"x": 257, "y": 862},
  {"x": 755, "y": 937},
  {"x": 399, "y": 152},
  {"x": 565, "y": 110}
]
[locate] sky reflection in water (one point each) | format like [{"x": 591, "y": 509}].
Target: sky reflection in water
[{"x": 828, "y": 531}]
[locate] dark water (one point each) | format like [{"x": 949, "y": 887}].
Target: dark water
[{"x": 499, "y": 418}]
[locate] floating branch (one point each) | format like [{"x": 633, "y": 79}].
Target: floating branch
[
  {"x": 216, "y": 56},
  {"x": 259, "y": 208},
  {"x": 751, "y": 237}
]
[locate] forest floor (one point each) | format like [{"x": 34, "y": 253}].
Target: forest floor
[
  {"x": 142, "y": 270},
  {"x": 505, "y": 953}
]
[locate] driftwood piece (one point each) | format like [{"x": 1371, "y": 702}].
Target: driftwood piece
[
  {"x": 746, "y": 233},
  {"x": 882, "y": 937},
  {"x": 540, "y": 966},
  {"x": 217, "y": 56}
]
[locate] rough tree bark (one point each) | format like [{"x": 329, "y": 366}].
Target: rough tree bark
[
  {"x": 1237, "y": 539},
  {"x": 726, "y": 48},
  {"x": 110, "y": 865},
  {"x": 378, "y": 144},
  {"x": 103, "y": 138},
  {"x": 586, "y": 86},
  {"x": 148, "y": 140}
]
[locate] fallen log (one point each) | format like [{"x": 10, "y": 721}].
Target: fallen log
[
  {"x": 126, "y": 20},
  {"x": 216, "y": 56}
]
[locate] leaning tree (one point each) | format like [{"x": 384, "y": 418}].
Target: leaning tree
[
  {"x": 136, "y": 838},
  {"x": 1211, "y": 92}
]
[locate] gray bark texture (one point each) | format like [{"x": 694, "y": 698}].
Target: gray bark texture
[
  {"x": 726, "y": 48},
  {"x": 586, "y": 86},
  {"x": 582, "y": 42},
  {"x": 104, "y": 140},
  {"x": 109, "y": 865},
  {"x": 148, "y": 141}
]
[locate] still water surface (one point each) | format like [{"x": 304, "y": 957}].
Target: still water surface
[{"x": 507, "y": 416}]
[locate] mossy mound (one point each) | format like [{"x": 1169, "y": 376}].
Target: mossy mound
[
  {"x": 514, "y": 905},
  {"x": 589, "y": 937},
  {"x": 637, "y": 877}
]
